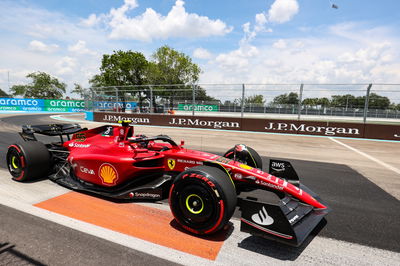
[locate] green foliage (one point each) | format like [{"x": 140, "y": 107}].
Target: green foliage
[
  {"x": 78, "y": 89},
  {"x": 168, "y": 66},
  {"x": 121, "y": 69},
  {"x": 378, "y": 102},
  {"x": 291, "y": 98},
  {"x": 172, "y": 67},
  {"x": 201, "y": 95},
  {"x": 3, "y": 93},
  {"x": 255, "y": 99},
  {"x": 375, "y": 101},
  {"x": 42, "y": 86}
]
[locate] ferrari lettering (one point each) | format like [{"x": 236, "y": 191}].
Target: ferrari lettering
[
  {"x": 203, "y": 123},
  {"x": 329, "y": 131}
]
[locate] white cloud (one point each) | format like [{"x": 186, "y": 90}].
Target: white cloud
[
  {"x": 237, "y": 59},
  {"x": 261, "y": 19},
  {"x": 280, "y": 44},
  {"x": 80, "y": 48},
  {"x": 92, "y": 20},
  {"x": 283, "y": 10},
  {"x": 66, "y": 65},
  {"x": 152, "y": 25},
  {"x": 201, "y": 53},
  {"x": 38, "y": 46},
  {"x": 279, "y": 12},
  {"x": 332, "y": 59}
]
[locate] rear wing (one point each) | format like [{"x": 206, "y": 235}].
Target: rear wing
[{"x": 29, "y": 131}]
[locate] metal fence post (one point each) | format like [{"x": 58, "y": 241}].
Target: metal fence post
[
  {"x": 193, "y": 98},
  {"x": 116, "y": 99},
  {"x": 366, "y": 102},
  {"x": 151, "y": 99},
  {"x": 242, "y": 106},
  {"x": 300, "y": 100}
]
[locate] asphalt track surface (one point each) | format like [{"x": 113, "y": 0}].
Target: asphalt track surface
[{"x": 363, "y": 213}]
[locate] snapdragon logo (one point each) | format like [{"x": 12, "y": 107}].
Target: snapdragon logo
[
  {"x": 203, "y": 123},
  {"x": 329, "y": 131}
]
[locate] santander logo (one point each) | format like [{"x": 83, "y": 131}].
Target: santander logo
[{"x": 262, "y": 217}]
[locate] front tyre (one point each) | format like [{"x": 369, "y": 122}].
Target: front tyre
[
  {"x": 203, "y": 199},
  {"x": 27, "y": 161},
  {"x": 246, "y": 155}
]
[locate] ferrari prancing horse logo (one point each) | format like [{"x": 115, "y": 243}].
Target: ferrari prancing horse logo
[{"x": 171, "y": 163}]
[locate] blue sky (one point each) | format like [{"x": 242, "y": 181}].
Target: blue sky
[{"x": 257, "y": 41}]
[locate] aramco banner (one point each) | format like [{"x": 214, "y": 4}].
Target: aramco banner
[
  {"x": 39, "y": 105},
  {"x": 198, "y": 107}
]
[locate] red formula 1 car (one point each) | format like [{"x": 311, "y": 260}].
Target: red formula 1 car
[{"x": 203, "y": 188}]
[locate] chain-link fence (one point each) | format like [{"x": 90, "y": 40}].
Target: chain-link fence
[{"x": 300, "y": 101}]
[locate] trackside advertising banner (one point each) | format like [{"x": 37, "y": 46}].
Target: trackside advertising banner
[
  {"x": 329, "y": 129},
  {"x": 106, "y": 105},
  {"x": 38, "y": 105},
  {"x": 198, "y": 107}
]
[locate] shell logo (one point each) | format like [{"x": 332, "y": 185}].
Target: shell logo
[{"x": 108, "y": 174}]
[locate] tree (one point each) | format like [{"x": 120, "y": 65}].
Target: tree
[
  {"x": 78, "y": 89},
  {"x": 323, "y": 102},
  {"x": 169, "y": 66},
  {"x": 291, "y": 98},
  {"x": 310, "y": 101},
  {"x": 173, "y": 67},
  {"x": 3, "y": 93},
  {"x": 201, "y": 95},
  {"x": 42, "y": 86},
  {"x": 122, "y": 68},
  {"x": 378, "y": 102},
  {"x": 255, "y": 99}
]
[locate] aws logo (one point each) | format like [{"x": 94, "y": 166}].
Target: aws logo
[{"x": 108, "y": 174}]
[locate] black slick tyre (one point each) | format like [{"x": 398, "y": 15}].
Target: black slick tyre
[
  {"x": 203, "y": 199},
  {"x": 249, "y": 157},
  {"x": 28, "y": 160}
]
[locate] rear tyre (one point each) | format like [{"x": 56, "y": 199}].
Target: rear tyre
[
  {"x": 202, "y": 199},
  {"x": 248, "y": 156},
  {"x": 27, "y": 161}
]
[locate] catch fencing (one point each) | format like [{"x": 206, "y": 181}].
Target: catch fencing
[{"x": 351, "y": 102}]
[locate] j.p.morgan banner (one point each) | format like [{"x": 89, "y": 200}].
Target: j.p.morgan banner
[
  {"x": 38, "y": 105},
  {"x": 330, "y": 129}
]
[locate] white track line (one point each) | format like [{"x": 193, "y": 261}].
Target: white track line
[{"x": 394, "y": 169}]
